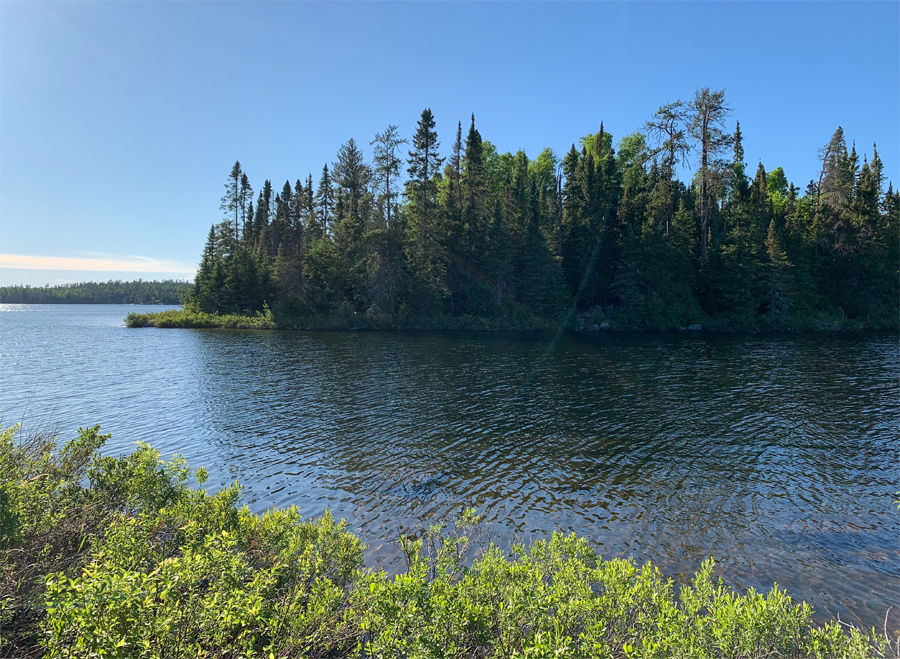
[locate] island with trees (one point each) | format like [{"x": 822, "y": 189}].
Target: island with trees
[{"x": 606, "y": 237}]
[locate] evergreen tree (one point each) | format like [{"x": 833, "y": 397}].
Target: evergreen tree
[
  {"x": 325, "y": 199},
  {"x": 426, "y": 249},
  {"x": 245, "y": 194},
  {"x": 708, "y": 111},
  {"x": 573, "y": 230},
  {"x": 261, "y": 218},
  {"x": 351, "y": 174},
  {"x": 208, "y": 280},
  {"x": 386, "y": 170},
  {"x": 498, "y": 257},
  {"x": 779, "y": 300},
  {"x": 312, "y": 227},
  {"x": 539, "y": 283},
  {"x": 232, "y": 200},
  {"x": 456, "y": 163}
]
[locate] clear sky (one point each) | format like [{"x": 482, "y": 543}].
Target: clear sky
[{"x": 119, "y": 121}]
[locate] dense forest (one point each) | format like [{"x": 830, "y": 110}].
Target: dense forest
[
  {"x": 607, "y": 231},
  {"x": 168, "y": 291}
]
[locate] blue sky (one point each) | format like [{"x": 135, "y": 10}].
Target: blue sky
[{"x": 119, "y": 122}]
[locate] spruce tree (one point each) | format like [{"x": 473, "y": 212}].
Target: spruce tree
[
  {"x": 456, "y": 163},
  {"x": 426, "y": 245},
  {"x": 325, "y": 200},
  {"x": 778, "y": 263},
  {"x": 246, "y": 197},
  {"x": 573, "y": 233},
  {"x": 351, "y": 173},
  {"x": 498, "y": 257}
]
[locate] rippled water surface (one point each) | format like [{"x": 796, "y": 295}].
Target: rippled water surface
[{"x": 775, "y": 454}]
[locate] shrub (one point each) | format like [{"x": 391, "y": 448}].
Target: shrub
[
  {"x": 54, "y": 508},
  {"x": 194, "y": 319},
  {"x": 118, "y": 557}
]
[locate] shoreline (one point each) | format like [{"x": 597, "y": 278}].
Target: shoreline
[{"x": 185, "y": 319}]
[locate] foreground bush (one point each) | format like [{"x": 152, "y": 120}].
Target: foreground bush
[{"x": 118, "y": 557}]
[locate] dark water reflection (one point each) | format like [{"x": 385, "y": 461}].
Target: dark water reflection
[{"x": 775, "y": 454}]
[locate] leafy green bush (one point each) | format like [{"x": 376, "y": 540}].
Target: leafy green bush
[
  {"x": 558, "y": 598},
  {"x": 55, "y": 506},
  {"x": 207, "y": 579},
  {"x": 194, "y": 319},
  {"x": 118, "y": 557}
]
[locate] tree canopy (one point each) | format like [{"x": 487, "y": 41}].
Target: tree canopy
[{"x": 607, "y": 229}]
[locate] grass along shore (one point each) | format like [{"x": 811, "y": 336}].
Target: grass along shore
[
  {"x": 342, "y": 319},
  {"x": 346, "y": 318},
  {"x": 120, "y": 557}
]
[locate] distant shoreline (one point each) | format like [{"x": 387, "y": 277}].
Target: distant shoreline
[
  {"x": 158, "y": 292},
  {"x": 108, "y": 304}
]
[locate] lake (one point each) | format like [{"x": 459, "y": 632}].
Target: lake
[{"x": 776, "y": 454}]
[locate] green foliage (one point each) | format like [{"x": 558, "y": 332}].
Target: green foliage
[
  {"x": 193, "y": 318},
  {"x": 497, "y": 240},
  {"x": 168, "y": 291},
  {"x": 118, "y": 557},
  {"x": 558, "y": 598},
  {"x": 204, "y": 578},
  {"x": 55, "y": 506}
]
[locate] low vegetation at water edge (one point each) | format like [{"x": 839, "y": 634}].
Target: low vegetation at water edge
[
  {"x": 190, "y": 318},
  {"x": 120, "y": 557},
  {"x": 343, "y": 318}
]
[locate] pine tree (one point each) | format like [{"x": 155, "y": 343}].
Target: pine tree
[
  {"x": 539, "y": 282},
  {"x": 739, "y": 186},
  {"x": 427, "y": 246},
  {"x": 386, "y": 170},
  {"x": 312, "y": 227},
  {"x": 832, "y": 186},
  {"x": 668, "y": 126},
  {"x": 351, "y": 173},
  {"x": 496, "y": 235},
  {"x": 263, "y": 212},
  {"x": 475, "y": 207},
  {"x": 205, "y": 293},
  {"x": 456, "y": 163},
  {"x": 498, "y": 257},
  {"x": 573, "y": 230},
  {"x": 232, "y": 200},
  {"x": 519, "y": 197},
  {"x": 298, "y": 204},
  {"x": 245, "y": 194},
  {"x": 779, "y": 300},
  {"x": 325, "y": 199},
  {"x": 708, "y": 111}
]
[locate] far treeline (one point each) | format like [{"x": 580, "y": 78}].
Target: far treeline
[
  {"x": 488, "y": 239},
  {"x": 167, "y": 291}
]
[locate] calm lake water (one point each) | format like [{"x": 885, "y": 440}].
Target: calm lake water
[{"x": 775, "y": 454}]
